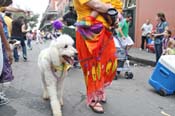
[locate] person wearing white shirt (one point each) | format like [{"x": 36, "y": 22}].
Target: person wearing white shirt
[{"x": 146, "y": 30}]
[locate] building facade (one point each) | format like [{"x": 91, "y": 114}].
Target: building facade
[
  {"x": 55, "y": 10},
  {"x": 147, "y": 9}
]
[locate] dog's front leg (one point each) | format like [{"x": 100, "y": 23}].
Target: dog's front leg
[
  {"x": 45, "y": 92},
  {"x": 51, "y": 84},
  {"x": 55, "y": 104},
  {"x": 60, "y": 91}
]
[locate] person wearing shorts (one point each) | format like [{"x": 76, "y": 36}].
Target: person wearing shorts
[{"x": 123, "y": 31}]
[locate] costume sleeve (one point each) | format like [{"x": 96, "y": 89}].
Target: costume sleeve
[
  {"x": 83, "y": 1},
  {"x": 117, "y": 4}
]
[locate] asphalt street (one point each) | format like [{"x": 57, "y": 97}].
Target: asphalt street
[{"x": 125, "y": 97}]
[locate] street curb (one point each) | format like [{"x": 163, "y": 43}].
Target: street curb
[{"x": 142, "y": 61}]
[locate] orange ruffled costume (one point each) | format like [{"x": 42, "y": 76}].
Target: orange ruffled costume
[{"x": 97, "y": 55}]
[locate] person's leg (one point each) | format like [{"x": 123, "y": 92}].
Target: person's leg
[
  {"x": 130, "y": 43},
  {"x": 143, "y": 42},
  {"x": 159, "y": 47},
  {"x": 30, "y": 46},
  {"x": 24, "y": 50},
  {"x": 146, "y": 40},
  {"x": 28, "y": 43},
  {"x": 158, "y": 51},
  {"x": 15, "y": 54},
  {"x": 83, "y": 53}
]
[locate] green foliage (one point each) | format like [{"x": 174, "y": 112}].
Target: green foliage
[{"x": 32, "y": 19}]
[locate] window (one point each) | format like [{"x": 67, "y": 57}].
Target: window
[{"x": 129, "y": 3}]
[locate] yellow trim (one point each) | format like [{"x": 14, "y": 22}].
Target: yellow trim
[{"x": 63, "y": 67}]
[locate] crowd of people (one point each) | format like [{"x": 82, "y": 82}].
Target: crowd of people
[
  {"x": 5, "y": 49},
  {"x": 161, "y": 36},
  {"x": 13, "y": 36}
]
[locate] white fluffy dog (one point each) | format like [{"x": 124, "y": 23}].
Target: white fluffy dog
[{"x": 54, "y": 63}]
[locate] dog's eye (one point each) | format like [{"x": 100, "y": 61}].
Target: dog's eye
[{"x": 66, "y": 46}]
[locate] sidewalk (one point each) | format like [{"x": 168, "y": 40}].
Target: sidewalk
[{"x": 142, "y": 57}]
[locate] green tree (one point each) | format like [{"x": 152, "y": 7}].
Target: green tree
[{"x": 31, "y": 19}]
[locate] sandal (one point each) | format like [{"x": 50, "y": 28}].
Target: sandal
[
  {"x": 104, "y": 99},
  {"x": 96, "y": 106}
]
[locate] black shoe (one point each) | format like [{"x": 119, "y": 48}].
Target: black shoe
[
  {"x": 25, "y": 59},
  {"x": 16, "y": 60}
]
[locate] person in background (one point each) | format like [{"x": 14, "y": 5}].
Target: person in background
[
  {"x": 29, "y": 37},
  {"x": 71, "y": 17},
  {"x": 146, "y": 30},
  {"x": 123, "y": 32},
  {"x": 166, "y": 39},
  {"x": 19, "y": 30},
  {"x": 170, "y": 50},
  {"x": 162, "y": 25},
  {"x": 8, "y": 20},
  {"x": 39, "y": 37},
  {"x": 5, "y": 57}
]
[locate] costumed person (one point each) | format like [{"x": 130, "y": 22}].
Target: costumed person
[
  {"x": 96, "y": 50},
  {"x": 57, "y": 25},
  {"x": 5, "y": 54},
  {"x": 117, "y": 4}
]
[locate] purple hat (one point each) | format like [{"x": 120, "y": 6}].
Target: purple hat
[{"x": 57, "y": 24}]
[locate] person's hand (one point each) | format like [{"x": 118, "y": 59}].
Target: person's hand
[
  {"x": 123, "y": 37},
  {"x": 154, "y": 35},
  {"x": 9, "y": 55}
]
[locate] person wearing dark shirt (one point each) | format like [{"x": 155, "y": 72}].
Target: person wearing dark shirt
[
  {"x": 71, "y": 17},
  {"x": 19, "y": 30}
]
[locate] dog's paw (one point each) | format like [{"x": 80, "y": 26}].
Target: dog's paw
[
  {"x": 45, "y": 96},
  {"x": 57, "y": 114},
  {"x": 61, "y": 102}
]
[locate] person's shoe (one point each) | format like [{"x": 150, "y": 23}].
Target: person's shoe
[
  {"x": 16, "y": 60},
  {"x": 25, "y": 59},
  {"x": 3, "y": 100},
  {"x": 97, "y": 107}
]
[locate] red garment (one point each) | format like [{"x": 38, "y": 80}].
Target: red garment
[{"x": 99, "y": 62}]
